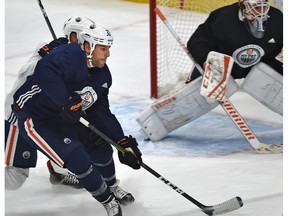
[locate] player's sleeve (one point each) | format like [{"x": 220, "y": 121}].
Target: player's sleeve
[{"x": 54, "y": 71}]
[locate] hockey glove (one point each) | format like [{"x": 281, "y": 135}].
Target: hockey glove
[
  {"x": 48, "y": 47},
  {"x": 72, "y": 109},
  {"x": 132, "y": 156}
]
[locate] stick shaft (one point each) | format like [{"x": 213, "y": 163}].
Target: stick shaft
[{"x": 47, "y": 19}]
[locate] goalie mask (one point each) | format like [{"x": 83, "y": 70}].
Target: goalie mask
[
  {"x": 96, "y": 35},
  {"x": 76, "y": 24},
  {"x": 255, "y": 12}
]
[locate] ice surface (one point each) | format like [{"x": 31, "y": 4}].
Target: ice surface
[{"x": 208, "y": 159}]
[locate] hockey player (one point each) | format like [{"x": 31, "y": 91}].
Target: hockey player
[
  {"x": 99, "y": 114},
  {"x": 250, "y": 32},
  {"x": 49, "y": 105},
  {"x": 19, "y": 156}
]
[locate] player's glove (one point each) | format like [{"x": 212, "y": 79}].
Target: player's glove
[
  {"x": 132, "y": 155},
  {"x": 72, "y": 109},
  {"x": 48, "y": 47}
]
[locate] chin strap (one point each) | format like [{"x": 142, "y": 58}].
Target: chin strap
[{"x": 89, "y": 58}]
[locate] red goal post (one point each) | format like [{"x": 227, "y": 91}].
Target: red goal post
[{"x": 169, "y": 64}]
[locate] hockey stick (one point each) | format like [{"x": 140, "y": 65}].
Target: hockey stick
[
  {"x": 226, "y": 104},
  {"x": 225, "y": 207},
  {"x": 47, "y": 19}
]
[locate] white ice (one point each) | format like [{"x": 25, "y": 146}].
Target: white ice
[{"x": 189, "y": 160}]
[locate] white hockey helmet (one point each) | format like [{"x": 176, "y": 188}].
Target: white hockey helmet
[
  {"x": 255, "y": 11},
  {"x": 76, "y": 24},
  {"x": 96, "y": 35}
]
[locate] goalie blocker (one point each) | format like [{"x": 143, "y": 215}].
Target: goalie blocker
[{"x": 177, "y": 109}]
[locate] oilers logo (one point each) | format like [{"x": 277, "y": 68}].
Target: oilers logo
[
  {"x": 248, "y": 55},
  {"x": 26, "y": 155},
  {"x": 88, "y": 96},
  {"x": 67, "y": 140}
]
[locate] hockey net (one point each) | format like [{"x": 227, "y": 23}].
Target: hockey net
[{"x": 169, "y": 64}]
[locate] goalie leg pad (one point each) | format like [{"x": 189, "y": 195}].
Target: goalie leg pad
[
  {"x": 179, "y": 108},
  {"x": 265, "y": 85}
]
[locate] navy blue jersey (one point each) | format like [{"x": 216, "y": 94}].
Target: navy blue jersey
[
  {"x": 56, "y": 76},
  {"x": 99, "y": 113},
  {"x": 224, "y": 32}
]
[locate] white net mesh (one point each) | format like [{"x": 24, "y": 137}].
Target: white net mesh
[{"x": 173, "y": 64}]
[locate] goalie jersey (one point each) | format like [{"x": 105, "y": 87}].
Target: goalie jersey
[{"x": 224, "y": 31}]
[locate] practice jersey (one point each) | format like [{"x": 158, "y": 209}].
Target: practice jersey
[{"x": 224, "y": 32}]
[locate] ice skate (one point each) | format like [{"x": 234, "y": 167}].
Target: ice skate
[
  {"x": 61, "y": 179},
  {"x": 123, "y": 197},
  {"x": 112, "y": 206}
]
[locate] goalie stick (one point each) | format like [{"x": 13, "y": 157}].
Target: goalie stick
[
  {"x": 225, "y": 207},
  {"x": 225, "y": 103}
]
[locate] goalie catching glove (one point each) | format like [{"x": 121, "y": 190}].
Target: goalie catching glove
[{"x": 132, "y": 156}]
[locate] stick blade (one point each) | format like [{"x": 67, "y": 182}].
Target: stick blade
[
  {"x": 270, "y": 149},
  {"x": 225, "y": 207}
]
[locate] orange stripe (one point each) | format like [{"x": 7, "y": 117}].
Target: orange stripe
[
  {"x": 226, "y": 63},
  {"x": 160, "y": 14},
  {"x": 221, "y": 93},
  {"x": 30, "y": 131},
  {"x": 11, "y": 145}
]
